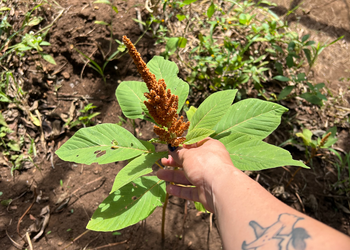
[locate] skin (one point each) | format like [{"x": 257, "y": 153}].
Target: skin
[{"x": 249, "y": 217}]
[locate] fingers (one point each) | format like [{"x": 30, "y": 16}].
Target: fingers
[
  {"x": 188, "y": 193},
  {"x": 170, "y": 162},
  {"x": 175, "y": 176}
]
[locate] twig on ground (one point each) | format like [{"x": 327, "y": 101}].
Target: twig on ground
[
  {"x": 301, "y": 203},
  {"x": 28, "y": 209},
  {"x": 77, "y": 238},
  {"x": 17, "y": 245},
  {"x": 111, "y": 244},
  {"x": 29, "y": 241}
]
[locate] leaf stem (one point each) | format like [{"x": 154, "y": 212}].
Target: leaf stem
[{"x": 159, "y": 165}]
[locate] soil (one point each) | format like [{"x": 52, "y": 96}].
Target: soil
[{"x": 312, "y": 191}]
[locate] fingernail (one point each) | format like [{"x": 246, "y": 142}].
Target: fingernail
[{"x": 171, "y": 148}]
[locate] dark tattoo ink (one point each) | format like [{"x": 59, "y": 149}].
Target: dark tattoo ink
[{"x": 282, "y": 235}]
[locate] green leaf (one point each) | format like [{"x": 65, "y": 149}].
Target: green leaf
[
  {"x": 2, "y": 120},
  {"x": 189, "y": 1},
  {"x": 98, "y": 144},
  {"x": 13, "y": 145},
  {"x": 115, "y": 9},
  {"x": 250, "y": 153},
  {"x": 130, "y": 96},
  {"x": 44, "y": 43},
  {"x": 312, "y": 99},
  {"x": 141, "y": 165},
  {"x": 102, "y": 23},
  {"x": 212, "y": 109},
  {"x": 306, "y": 135},
  {"x": 182, "y": 42},
  {"x": 304, "y": 38},
  {"x": 103, "y": 1},
  {"x": 197, "y": 135},
  {"x": 199, "y": 206},
  {"x": 281, "y": 78},
  {"x": 48, "y": 58},
  {"x": 171, "y": 45},
  {"x": 285, "y": 92},
  {"x": 35, "y": 21},
  {"x": 252, "y": 117},
  {"x": 180, "y": 17},
  {"x": 211, "y": 10},
  {"x": 168, "y": 70},
  {"x": 4, "y": 97},
  {"x": 128, "y": 205},
  {"x": 5, "y": 8},
  {"x": 331, "y": 139},
  {"x": 190, "y": 112}
]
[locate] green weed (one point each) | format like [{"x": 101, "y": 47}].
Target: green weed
[{"x": 85, "y": 118}]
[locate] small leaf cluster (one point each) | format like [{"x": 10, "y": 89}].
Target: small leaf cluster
[
  {"x": 241, "y": 127},
  {"x": 29, "y": 40}
]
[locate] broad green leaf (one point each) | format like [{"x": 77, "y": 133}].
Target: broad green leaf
[
  {"x": 212, "y": 109},
  {"x": 128, "y": 205},
  {"x": 252, "y": 117},
  {"x": 281, "y": 78},
  {"x": 199, "y": 206},
  {"x": 48, "y": 58},
  {"x": 104, "y": 143},
  {"x": 130, "y": 98},
  {"x": 211, "y": 10},
  {"x": 190, "y": 112},
  {"x": 150, "y": 147},
  {"x": 197, "y": 135},
  {"x": 141, "y": 165},
  {"x": 285, "y": 92},
  {"x": 171, "y": 45},
  {"x": 250, "y": 153},
  {"x": 168, "y": 70}
]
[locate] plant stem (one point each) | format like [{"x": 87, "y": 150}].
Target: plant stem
[{"x": 163, "y": 218}]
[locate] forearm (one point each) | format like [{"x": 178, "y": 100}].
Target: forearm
[{"x": 251, "y": 218}]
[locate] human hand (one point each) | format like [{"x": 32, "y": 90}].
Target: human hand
[{"x": 203, "y": 165}]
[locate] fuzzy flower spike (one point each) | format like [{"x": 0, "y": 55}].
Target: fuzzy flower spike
[{"x": 161, "y": 104}]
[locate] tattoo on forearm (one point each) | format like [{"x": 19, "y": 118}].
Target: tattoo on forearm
[{"x": 282, "y": 235}]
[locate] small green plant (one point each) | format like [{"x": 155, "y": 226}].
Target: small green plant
[
  {"x": 85, "y": 118},
  {"x": 241, "y": 127},
  {"x": 30, "y": 41},
  {"x": 223, "y": 45},
  {"x": 341, "y": 165}
]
